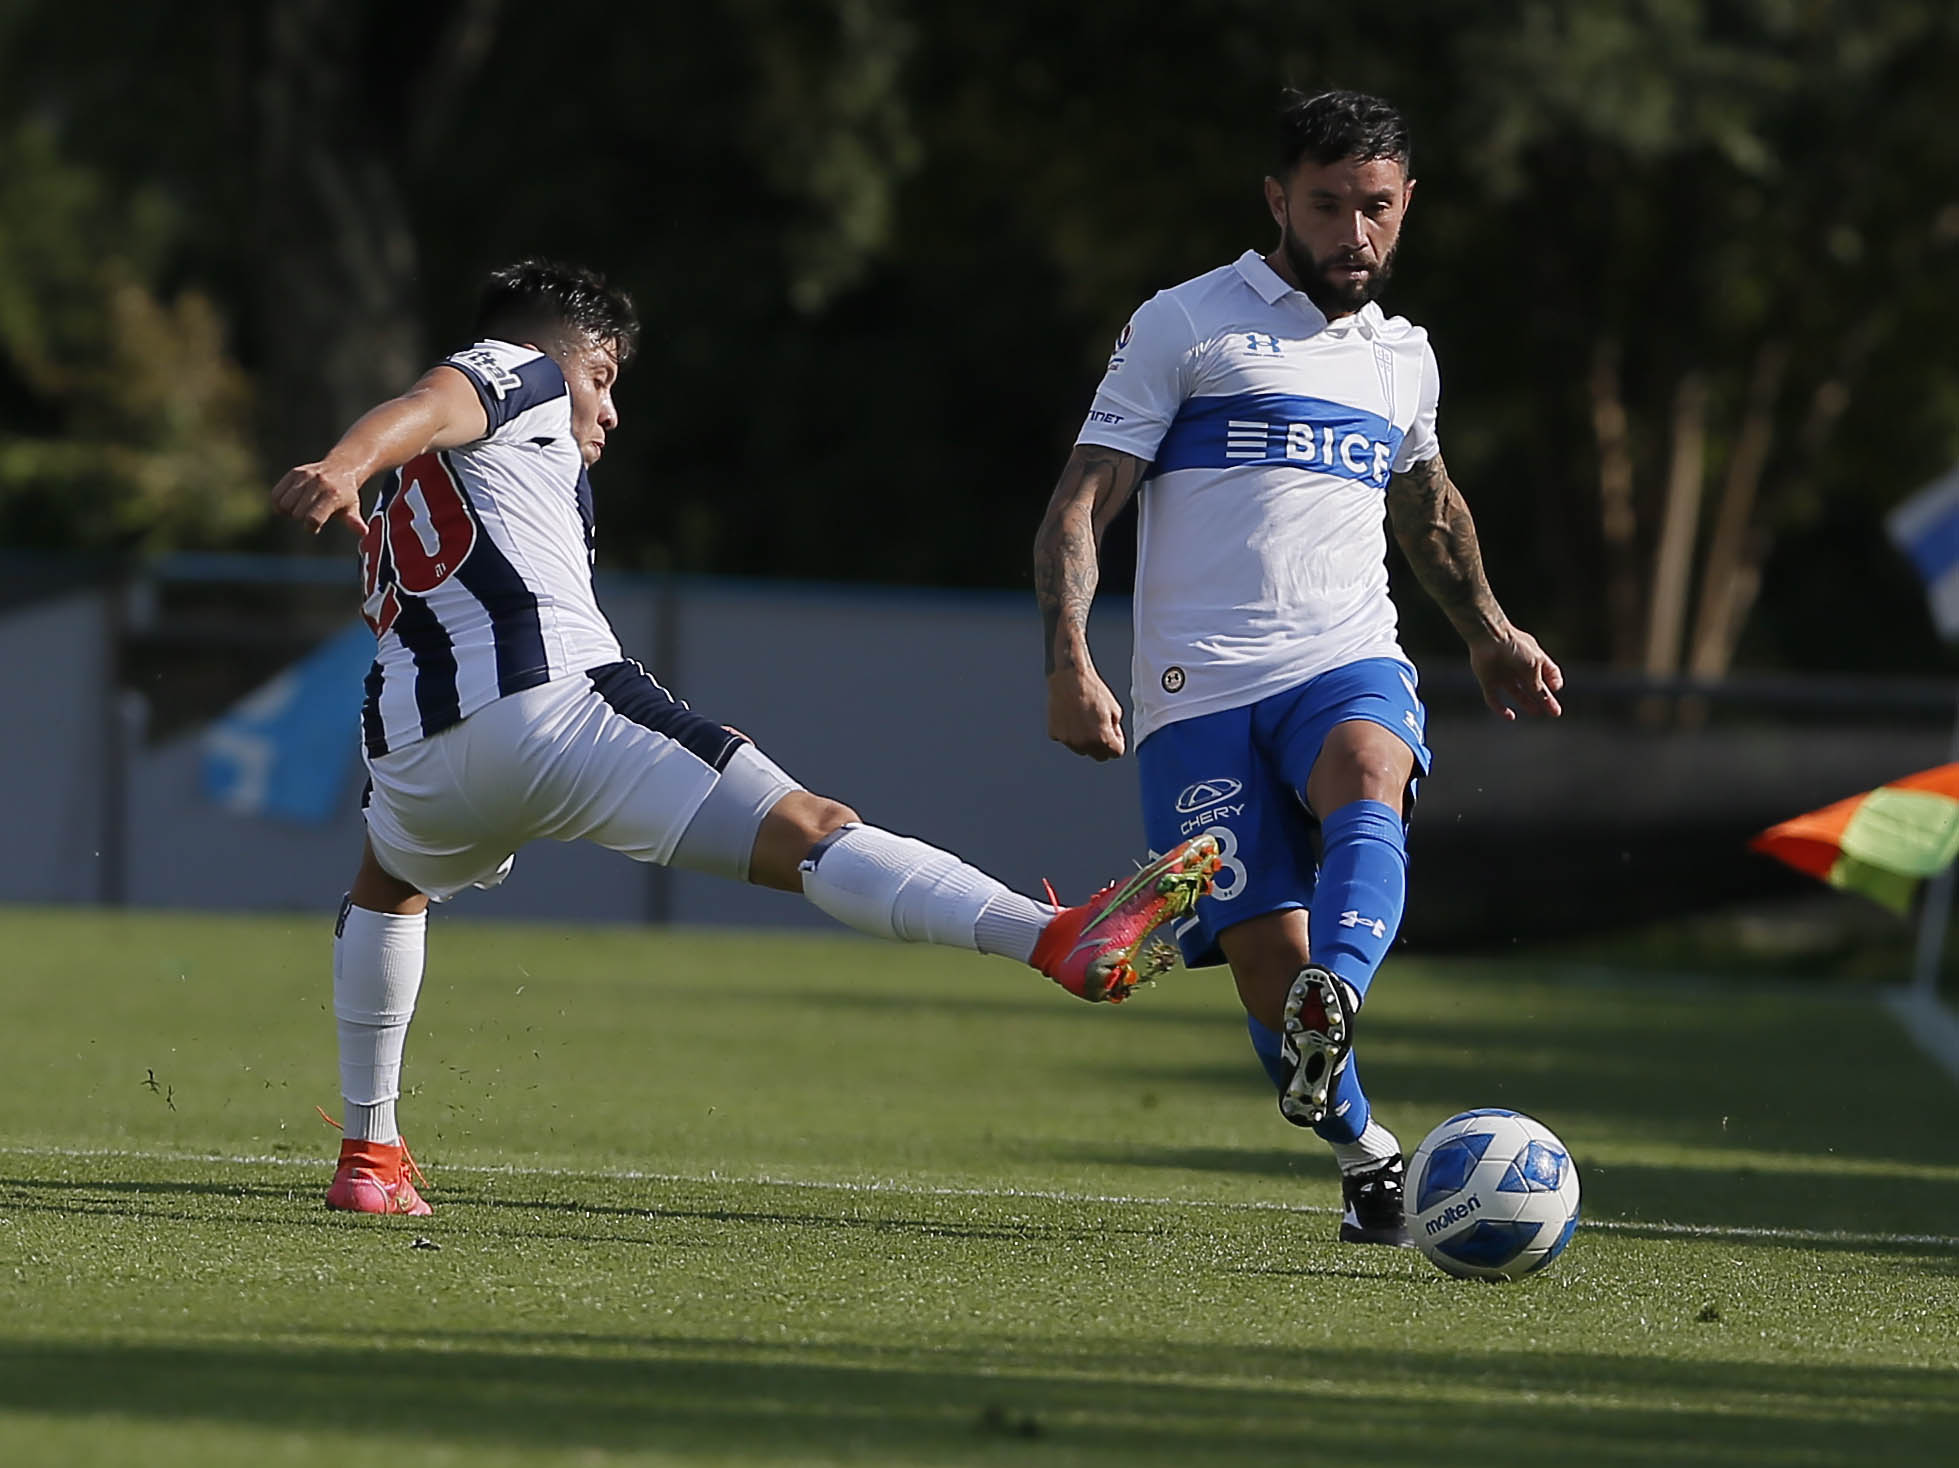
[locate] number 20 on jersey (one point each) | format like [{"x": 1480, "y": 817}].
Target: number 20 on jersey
[{"x": 416, "y": 540}]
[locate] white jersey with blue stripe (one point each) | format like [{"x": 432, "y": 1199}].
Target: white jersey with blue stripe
[
  {"x": 477, "y": 562},
  {"x": 1270, "y": 434}
]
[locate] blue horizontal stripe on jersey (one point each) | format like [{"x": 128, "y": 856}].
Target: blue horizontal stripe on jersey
[
  {"x": 1280, "y": 428},
  {"x": 631, "y": 692}
]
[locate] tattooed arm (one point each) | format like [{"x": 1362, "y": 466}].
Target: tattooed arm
[
  {"x": 1097, "y": 482},
  {"x": 1432, "y": 525}
]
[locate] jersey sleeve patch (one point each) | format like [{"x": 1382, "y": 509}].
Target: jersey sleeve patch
[
  {"x": 1146, "y": 382},
  {"x": 507, "y": 391}
]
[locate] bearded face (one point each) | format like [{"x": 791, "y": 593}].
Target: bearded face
[
  {"x": 1341, "y": 283},
  {"x": 1339, "y": 224}
]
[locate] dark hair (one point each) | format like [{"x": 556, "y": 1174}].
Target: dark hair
[
  {"x": 534, "y": 294},
  {"x": 1337, "y": 125}
]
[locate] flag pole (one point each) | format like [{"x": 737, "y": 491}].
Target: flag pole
[
  {"x": 1935, "y": 915},
  {"x": 1931, "y": 935}
]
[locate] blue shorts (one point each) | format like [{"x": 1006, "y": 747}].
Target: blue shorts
[{"x": 1241, "y": 775}]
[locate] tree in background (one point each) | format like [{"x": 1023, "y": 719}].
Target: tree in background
[
  {"x": 125, "y": 421},
  {"x": 1752, "y": 205},
  {"x": 353, "y": 110},
  {"x": 1690, "y": 264}
]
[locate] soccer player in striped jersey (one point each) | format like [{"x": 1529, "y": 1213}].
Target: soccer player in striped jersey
[
  {"x": 501, "y": 710},
  {"x": 1270, "y": 417}
]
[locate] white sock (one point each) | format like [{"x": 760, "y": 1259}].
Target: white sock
[
  {"x": 1375, "y": 1146},
  {"x": 377, "y": 972},
  {"x": 894, "y": 887}
]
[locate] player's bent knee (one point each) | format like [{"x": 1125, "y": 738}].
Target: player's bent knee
[
  {"x": 794, "y": 826},
  {"x": 1378, "y": 779},
  {"x": 826, "y": 817},
  {"x": 1360, "y": 763},
  {"x": 379, "y": 890},
  {"x": 809, "y": 818}
]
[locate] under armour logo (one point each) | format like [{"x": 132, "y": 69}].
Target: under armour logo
[{"x": 1352, "y": 919}]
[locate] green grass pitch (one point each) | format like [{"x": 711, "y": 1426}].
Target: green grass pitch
[{"x": 739, "y": 1199}]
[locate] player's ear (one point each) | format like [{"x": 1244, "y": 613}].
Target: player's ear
[
  {"x": 1407, "y": 195},
  {"x": 1275, "y": 200}
]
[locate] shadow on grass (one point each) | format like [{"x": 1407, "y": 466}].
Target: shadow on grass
[
  {"x": 1786, "y": 1206},
  {"x": 1043, "y": 1007},
  {"x": 178, "y": 1202},
  {"x": 1085, "y": 1402},
  {"x": 1307, "y": 1160},
  {"x": 1800, "y": 1116},
  {"x": 1659, "y": 1080}
]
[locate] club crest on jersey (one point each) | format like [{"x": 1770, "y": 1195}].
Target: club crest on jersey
[{"x": 1122, "y": 342}]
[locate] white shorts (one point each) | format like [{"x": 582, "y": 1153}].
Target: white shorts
[{"x": 607, "y": 756}]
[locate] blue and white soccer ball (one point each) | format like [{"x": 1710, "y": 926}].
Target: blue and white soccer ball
[{"x": 1492, "y": 1195}]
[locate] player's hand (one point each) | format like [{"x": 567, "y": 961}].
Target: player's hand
[
  {"x": 1517, "y": 675},
  {"x": 1084, "y": 715},
  {"x": 316, "y": 496}
]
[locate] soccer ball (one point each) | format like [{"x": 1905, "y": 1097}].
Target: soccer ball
[{"x": 1494, "y": 1195}]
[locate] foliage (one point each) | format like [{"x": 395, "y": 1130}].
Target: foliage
[
  {"x": 1760, "y": 204},
  {"x": 129, "y": 421},
  {"x": 1690, "y": 264}
]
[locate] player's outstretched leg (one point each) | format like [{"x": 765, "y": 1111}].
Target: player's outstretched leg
[
  {"x": 377, "y": 973},
  {"x": 1105, "y": 947},
  {"x": 893, "y": 886}
]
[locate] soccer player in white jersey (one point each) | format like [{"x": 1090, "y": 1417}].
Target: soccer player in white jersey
[
  {"x": 500, "y": 710},
  {"x": 1265, "y": 412}
]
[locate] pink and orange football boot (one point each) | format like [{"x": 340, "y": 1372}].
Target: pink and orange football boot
[
  {"x": 376, "y": 1177},
  {"x": 1103, "y": 949}
]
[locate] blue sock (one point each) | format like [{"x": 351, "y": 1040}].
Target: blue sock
[
  {"x": 1362, "y": 885},
  {"x": 1267, "y": 1043},
  {"x": 1347, "y": 1117},
  {"x": 1349, "y": 1113}
]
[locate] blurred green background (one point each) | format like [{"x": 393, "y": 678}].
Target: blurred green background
[{"x": 1686, "y": 264}]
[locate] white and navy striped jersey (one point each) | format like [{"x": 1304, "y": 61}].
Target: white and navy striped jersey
[
  {"x": 477, "y": 562},
  {"x": 1271, "y": 433}
]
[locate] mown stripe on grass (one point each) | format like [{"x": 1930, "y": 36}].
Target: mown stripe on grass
[{"x": 1655, "y": 1227}]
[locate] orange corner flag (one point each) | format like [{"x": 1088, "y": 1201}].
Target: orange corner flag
[{"x": 1882, "y": 843}]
